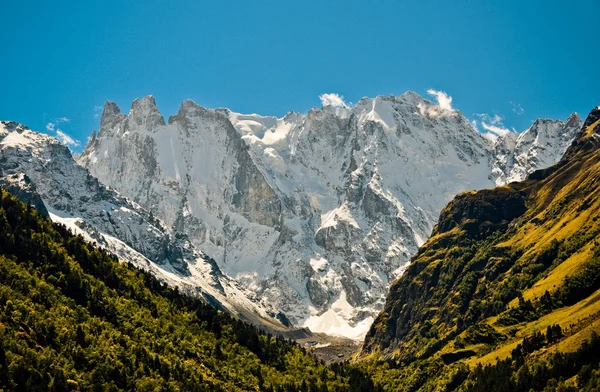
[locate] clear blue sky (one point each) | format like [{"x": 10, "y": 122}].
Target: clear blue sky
[{"x": 64, "y": 59}]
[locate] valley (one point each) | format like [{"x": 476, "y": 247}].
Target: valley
[{"x": 508, "y": 274}]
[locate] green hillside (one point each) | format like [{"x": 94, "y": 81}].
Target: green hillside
[
  {"x": 505, "y": 295},
  {"x": 72, "y": 318}
]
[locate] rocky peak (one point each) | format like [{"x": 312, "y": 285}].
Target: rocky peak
[
  {"x": 412, "y": 97},
  {"x": 187, "y": 111},
  {"x": 592, "y": 117},
  {"x": 110, "y": 115},
  {"x": 588, "y": 138},
  {"x": 189, "y": 107},
  {"x": 7, "y": 127},
  {"x": 291, "y": 117},
  {"x": 573, "y": 121},
  {"x": 145, "y": 113},
  {"x": 543, "y": 126}
]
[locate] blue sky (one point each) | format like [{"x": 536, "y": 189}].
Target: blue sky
[{"x": 519, "y": 60}]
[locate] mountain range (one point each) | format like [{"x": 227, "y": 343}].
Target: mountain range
[{"x": 302, "y": 221}]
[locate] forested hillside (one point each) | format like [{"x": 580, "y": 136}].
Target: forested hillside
[
  {"x": 505, "y": 294},
  {"x": 72, "y": 318}
]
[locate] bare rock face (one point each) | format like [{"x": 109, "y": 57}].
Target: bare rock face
[{"x": 315, "y": 215}]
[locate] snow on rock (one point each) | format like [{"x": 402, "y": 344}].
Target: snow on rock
[
  {"x": 542, "y": 145},
  {"x": 313, "y": 214}
]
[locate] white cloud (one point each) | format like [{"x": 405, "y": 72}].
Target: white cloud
[
  {"x": 443, "y": 99},
  {"x": 66, "y": 139},
  {"x": 52, "y": 124},
  {"x": 492, "y": 124},
  {"x": 63, "y": 137},
  {"x": 443, "y": 107},
  {"x": 498, "y": 131},
  {"x": 474, "y": 124},
  {"x": 332, "y": 99},
  {"x": 517, "y": 108},
  {"x": 494, "y": 120}
]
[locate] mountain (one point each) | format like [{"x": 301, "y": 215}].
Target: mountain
[
  {"x": 73, "y": 318},
  {"x": 315, "y": 215},
  {"x": 39, "y": 169},
  {"x": 504, "y": 294}
]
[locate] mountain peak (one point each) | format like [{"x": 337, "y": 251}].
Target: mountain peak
[
  {"x": 284, "y": 199},
  {"x": 144, "y": 111},
  {"x": 110, "y": 108},
  {"x": 291, "y": 116},
  {"x": 592, "y": 117},
  {"x": 10, "y": 126},
  {"x": 110, "y": 114},
  {"x": 412, "y": 97},
  {"x": 146, "y": 103},
  {"x": 188, "y": 106},
  {"x": 573, "y": 119}
]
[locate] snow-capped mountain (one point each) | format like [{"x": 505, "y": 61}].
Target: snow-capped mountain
[
  {"x": 39, "y": 169},
  {"x": 313, "y": 214}
]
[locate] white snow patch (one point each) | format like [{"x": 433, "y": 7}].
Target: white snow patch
[{"x": 334, "y": 321}]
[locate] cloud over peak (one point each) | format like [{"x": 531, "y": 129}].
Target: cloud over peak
[
  {"x": 492, "y": 124},
  {"x": 53, "y": 128},
  {"x": 333, "y": 99},
  {"x": 443, "y": 107},
  {"x": 444, "y": 100},
  {"x": 66, "y": 139}
]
